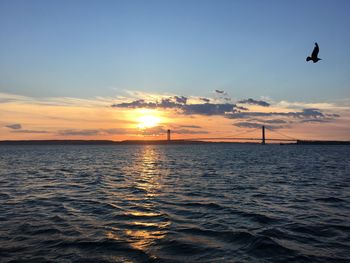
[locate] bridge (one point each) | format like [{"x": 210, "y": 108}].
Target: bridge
[{"x": 263, "y": 138}]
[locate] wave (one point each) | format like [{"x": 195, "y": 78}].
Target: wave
[{"x": 174, "y": 204}]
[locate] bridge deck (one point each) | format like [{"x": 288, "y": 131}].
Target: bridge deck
[{"x": 239, "y": 138}]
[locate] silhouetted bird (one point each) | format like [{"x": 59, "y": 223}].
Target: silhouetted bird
[{"x": 314, "y": 54}]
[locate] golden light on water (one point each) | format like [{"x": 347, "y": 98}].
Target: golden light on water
[{"x": 147, "y": 224}]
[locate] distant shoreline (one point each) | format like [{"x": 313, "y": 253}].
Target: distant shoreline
[
  {"x": 152, "y": 142},
  {"x": 109, "y": 142}
]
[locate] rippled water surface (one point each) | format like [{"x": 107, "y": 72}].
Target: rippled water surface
[{"x": 175, "y": 203}]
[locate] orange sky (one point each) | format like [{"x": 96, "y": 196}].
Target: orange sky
[{"x": 26, "y": 118}]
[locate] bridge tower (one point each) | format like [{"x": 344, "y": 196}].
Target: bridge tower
[
  {"x": 263, "y": 135},
  {"x": 168, "y": 135}
]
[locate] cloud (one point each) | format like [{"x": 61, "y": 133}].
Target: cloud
[
  {"x": 16, "y": 126},
  {"x": 254, "y": 125},
  {"x": 254, "y": 102},
  {"x": 86, "y": 132},
  {"x": 190, "y": 126},
  {"x": 180, "y": 103},
  {"x": 305, "y": 113},
  {"x": 209, "y": 109},
  {"x": 91, "y": 132},
  {"x": 54, "y": 101},
  {"x": 115, "y": 131},
  {"x": 92, "y": 116},
  {"x": 9, "y": 98},
  {"x": 160, "y": 130},
  {"x": 181, "y": 99},
  {"x": 219, "y": 91},
  {"x": 135, "y": 104},
  {"x": 313, "y": 113},
  {"x": 280, "y": 118},
  {"x": 257, "y": 119},
  {"x": 276, "y": 121},
  {"x": 244, "y": 124},
  {"x": 6, "y": 100},
  {"x": 188, "y": 131},
  {"x": 272, "y": 124},
  {"x": 316, "y": 120},
  {"x": 171, "y": 102},
  {"x": 206, "y": 100},
  {"x": 30, "y": 131},
  {"x": 304, "y": 105},
  {"x": 333, "y": 115}
]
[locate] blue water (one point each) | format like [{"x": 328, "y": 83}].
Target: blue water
[{"x": 175, "y": 203}]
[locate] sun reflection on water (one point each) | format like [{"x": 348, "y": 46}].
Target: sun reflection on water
[{"x": 146, "y": 223}]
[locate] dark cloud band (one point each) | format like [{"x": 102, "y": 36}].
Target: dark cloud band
[
  {"x": 16, "y": 126},
  {"x": 180, "y": 103},
  {"x": 255, "y": 102}
]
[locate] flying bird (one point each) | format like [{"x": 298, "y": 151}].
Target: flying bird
[{"x": 314, "y": 54}]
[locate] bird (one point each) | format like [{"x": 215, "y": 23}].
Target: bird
[{"x": 314, "y": 54}]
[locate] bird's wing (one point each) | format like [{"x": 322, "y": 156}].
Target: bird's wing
[{"x": 315, "y": 51}]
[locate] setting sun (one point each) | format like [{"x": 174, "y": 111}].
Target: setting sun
[{"x": 148, "y": 119}]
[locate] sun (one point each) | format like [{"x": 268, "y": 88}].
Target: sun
[{"x": 148, "y": 120}]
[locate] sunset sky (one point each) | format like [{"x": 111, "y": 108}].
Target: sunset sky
[{"x": 133, "y": 69}]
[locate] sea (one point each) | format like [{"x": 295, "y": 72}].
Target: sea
[{"x": 175, "y": 203}]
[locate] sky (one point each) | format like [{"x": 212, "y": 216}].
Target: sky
[{"x": 133, "y": 69}]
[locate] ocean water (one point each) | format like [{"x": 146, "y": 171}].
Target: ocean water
[{"x": 175, "y": 203}]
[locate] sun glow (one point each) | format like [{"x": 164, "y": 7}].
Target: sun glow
[{"x": 148, "y": 119}]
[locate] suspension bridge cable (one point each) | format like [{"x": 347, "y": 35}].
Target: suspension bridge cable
[
  {"x": 281, "y": 134},
  {"x": 245, "y": 132},
  {"x": 234, "y": 136}
]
